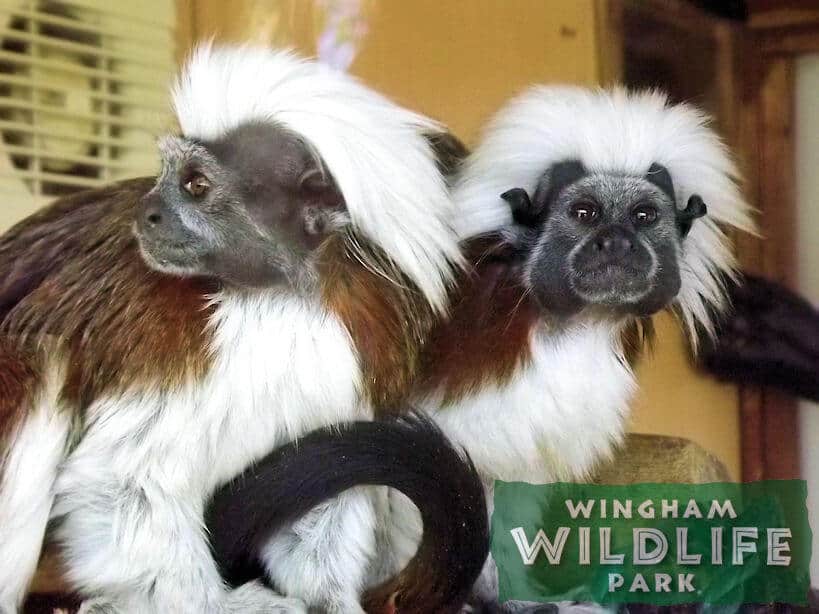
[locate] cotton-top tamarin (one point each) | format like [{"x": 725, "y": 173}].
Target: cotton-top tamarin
[
  {"x": 583, "y": 213},
  {"x": 159, "y": 335}
]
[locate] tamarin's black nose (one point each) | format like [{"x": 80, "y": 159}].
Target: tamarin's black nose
[{"x": 614, "y": 242}]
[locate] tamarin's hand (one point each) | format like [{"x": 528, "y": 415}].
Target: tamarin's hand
[{"x": 770, "y": 338}]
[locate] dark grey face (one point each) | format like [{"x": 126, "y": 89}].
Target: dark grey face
[
  {"x": 249, "y": 209},
  {"x": 600, "y": 240}
]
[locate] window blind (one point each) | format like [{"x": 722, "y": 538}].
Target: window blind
[{"x": 83, "y": 95}]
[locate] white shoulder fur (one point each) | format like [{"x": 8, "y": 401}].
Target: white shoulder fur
[
  {"x": 618, "y": 131},
  {"x": 374, "y": 148}
]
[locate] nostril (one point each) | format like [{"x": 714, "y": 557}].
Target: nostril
[
  {"x": 622, "y": 245},
  {"x": 154, "y": 218},
  {"x": 607, "y": 244},
  {"x": 613, "y": 242},
  {"x": 614, "y": 245}
]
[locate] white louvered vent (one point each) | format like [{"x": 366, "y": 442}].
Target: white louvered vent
[{"x": 83, "y": 95}]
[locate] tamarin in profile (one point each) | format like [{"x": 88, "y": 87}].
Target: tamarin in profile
[{"x": 159, "y": 335}]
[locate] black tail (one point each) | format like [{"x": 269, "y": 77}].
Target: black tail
[{"x": 410, "y": 454}]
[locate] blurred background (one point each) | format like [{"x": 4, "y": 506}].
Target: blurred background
[{"x": 83, "y": 94}]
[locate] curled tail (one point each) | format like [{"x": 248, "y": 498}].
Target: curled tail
[{"x": 409, "y": 454}]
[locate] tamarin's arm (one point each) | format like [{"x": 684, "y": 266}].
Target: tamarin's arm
[{"x": 770, "y": 338}]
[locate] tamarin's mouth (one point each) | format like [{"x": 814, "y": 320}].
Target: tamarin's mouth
[
  {"x": 611, "y": 269},
  {"x": 165, "y": 257},
  {"x": 611, "y": 275},
  {"x": 612, "y": 283}
]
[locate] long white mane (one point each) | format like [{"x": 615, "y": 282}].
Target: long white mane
[
  {"x": 615, "y": 131},
  {"x": 373, "y": 148}
]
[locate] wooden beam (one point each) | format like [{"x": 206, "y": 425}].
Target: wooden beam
[
  {"x": 609, "y": 34},
  {"x": 776, "y": 170},
  {"x": 769, "y": 428},
  {"x": 679, "y": 14},
  {"x": 782, "y": 13},
  {"x": 791, "y": 41}
]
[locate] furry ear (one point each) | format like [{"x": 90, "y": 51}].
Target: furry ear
[
  {"x": 318, "y": 188},
  {"x": 521, "y": 205},
  {"x": 313, "y": 180},
  {"x": 527, "y": 211},
  {"x": 695, "y": 209}
]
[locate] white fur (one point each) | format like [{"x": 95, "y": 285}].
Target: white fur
[
  {"x": 130, "y": 496},
  {"x": 132, "y": 492},
  {"x": 26, "y": 489},
  {"x": 325, "y": 555},
  {"x": 373, "y": 148},
  {"x": 614, "y": 131},
  {"x": 561, "y": 414},
  {"x": 556, "y": 418}
]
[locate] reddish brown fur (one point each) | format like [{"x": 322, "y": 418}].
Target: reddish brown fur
[
  {"x": 73, "y": 273},
  {"x": 18, "y": 378},
  {"x": 386, "y": 316},
  {"x": 487, "y": 338}
]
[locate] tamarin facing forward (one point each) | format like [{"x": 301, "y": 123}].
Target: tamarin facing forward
[
  {"x": 584, "y": 212},
  {"x": 157, "y": 336}
]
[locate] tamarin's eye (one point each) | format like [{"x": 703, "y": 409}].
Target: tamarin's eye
[
  {"x": 197, "y": 185},
  {"x": 644, "y": 215},
  {"x": 584, "y": 211}
]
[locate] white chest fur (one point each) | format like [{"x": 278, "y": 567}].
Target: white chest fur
[
  {"x": 556, "y": 418},
  {"x": 281, "y": 366},
  {"x": 132, "y": 493}
]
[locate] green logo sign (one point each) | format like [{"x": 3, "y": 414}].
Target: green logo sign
[{"x": 663, "y": 544}]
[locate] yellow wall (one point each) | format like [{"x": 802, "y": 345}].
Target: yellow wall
[
  {"x": 455, "y": 61},
  {"x": 458, "y": 62},
  {"x": 675, "y": 399}
]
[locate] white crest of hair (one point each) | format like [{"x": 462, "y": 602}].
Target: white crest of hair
[
  {"x": 613, "y": 131},
  {"x": 374, "y": 149}
]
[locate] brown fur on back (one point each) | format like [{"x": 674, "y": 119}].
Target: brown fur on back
[
  {"x": 387, "y": 317},
  {"x": 73, "y": 273},
  {"x": 487, "y": 337}
]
